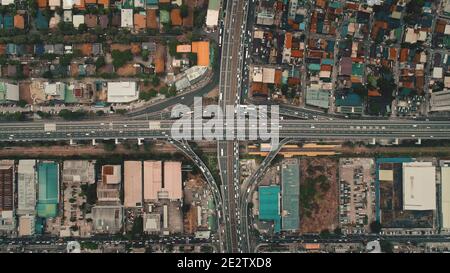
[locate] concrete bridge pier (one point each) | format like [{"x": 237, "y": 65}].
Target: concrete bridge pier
[
  {"x": 117, "y": 141},
  {"x": 140, "y": 141},
  {"x": 93, "y": 142},
  {"x": 71, "y": 142},
  {"x": 396, "y": 141},
  {"x": 374, "y": 141},
  {"x": 419, "y": 141}
]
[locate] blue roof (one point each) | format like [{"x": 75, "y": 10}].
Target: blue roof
[
  {"x": 41, "y": 21},
  {"x": 269, "y": 205},
  {"x": 352, "y": 99},
  {"x": 8, "y": 22},
  {"x": 39, "y": 49}
]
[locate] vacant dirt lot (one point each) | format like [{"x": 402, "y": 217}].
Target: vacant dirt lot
[
  {"x": 24, "y": 92},
  {"x": 318, "y": 195}
]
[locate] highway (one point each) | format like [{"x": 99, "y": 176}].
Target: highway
[
  {"x": 249, "y": 187},
  {"x": 212, "y": 184},
  {"x": 229, "y": 86},
  {"x": 161, "y": 129}
]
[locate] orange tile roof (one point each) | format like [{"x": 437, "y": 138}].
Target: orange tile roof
[
  {"x": 175, "y": 17},
  {"x": 2, "y": 49},
  {"x": 139, "y": 21},
  {"x": 80, "y": 5},
  {"x": 42, "y": 3},
  {"x": 288, "y": 40},
  {"x": 404, "y": 54},
  {"x": 105, "y": 3},
  {"x": 184, "y": 48},
  {"x": 151, "y": 19},
  {"x": 278, "y": 76},
  {"x": 86, "y": 49},
  {"x": 19, "y": 21},
  {"x": 136, "y": 48},
  {"x": 202, "y": 50},
  {"x": 295, "y": 53},
  {"x": 90, "y": 1}
]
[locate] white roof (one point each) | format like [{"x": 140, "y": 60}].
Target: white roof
[
  {"x": 54, "y": 3},
  {"x": 78, "y": 20},
  {"x": 437, "y": 72},
  {"x": 54, "y": 89},
  {"x": 127, "y": 18},
  {"x": 268, "y": 75},
  {"x": 67, "y": 15},
  {"x": 122, "y": 92},
  {"x": 419, "y": 186},
  {"x": 445, "y": 197},
  {"x": 7, "y": 2},
  {"x": 212, "y": 17},
  {"x": 68, "y": 4},
  {"x": 258, "y": 34},
  {"x": 411, "y": 36},
  {"x": 257, "y": 74},
  {"x": 12, "y": 92}
]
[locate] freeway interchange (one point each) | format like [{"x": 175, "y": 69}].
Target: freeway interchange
[{"x": 231, "y": 199}]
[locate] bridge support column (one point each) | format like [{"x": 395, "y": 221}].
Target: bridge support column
[
  {"x": 396, "y": 141},
  {"x": 140, "y": 141},
  {"x": 93, "y": 142},
  {"x": 71, "y": 142},
  {"x": 419, "y": 141},
  {"x": 374, "y": 141},
  {"x": 117, "y": 141}
]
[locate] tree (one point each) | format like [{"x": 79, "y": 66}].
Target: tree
[
  {"x": 184, "y": 10},
  {"x": 72, "y": 115},
  {"x": 82, "y": 28},
  {"x": 172, "y": 44},
  {"x": 144, "y": 55},
  {"x": 48, "y": 74},
  {"x": 110, "y": 146},
  {"x": 192, "y": 58},
  {"x": 375, "y": 227},
  {"x": 386, "y": 246},
  {"x": 155, "y": 80},
  {"x": 100, "y": 62},
  {"x": 121, "y": 57},
  {"x": 22, "y": 103}
]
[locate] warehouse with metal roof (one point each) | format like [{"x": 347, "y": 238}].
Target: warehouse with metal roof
[
  {"x": 445, "y": 196},
  {"x": 269, "y": 205},
  {"x": 48, "y": 189},
  {"x": 26, "y": 187},
  {"x": 290, "y": 192},
  {"x": 419, "y": 186}
]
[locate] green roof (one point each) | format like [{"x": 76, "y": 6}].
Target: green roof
[
  {"x": 214, "y": 4},
  {"x": 164, "y": 16},
  {"x": 314, "y": 67},
  {"x": 269, "y": 209},
  {"x": 290, "y": 179},
  {"x": 357, "y": 69}
]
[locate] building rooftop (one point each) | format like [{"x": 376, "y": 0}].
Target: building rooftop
[
  {"x": 419, "y": 186},
  {"x": 133, "y": 184},
  {"x": 269, "y": 205},
  {"x": 290, "y": 179},
  {"x": 152, "y": 180}
]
